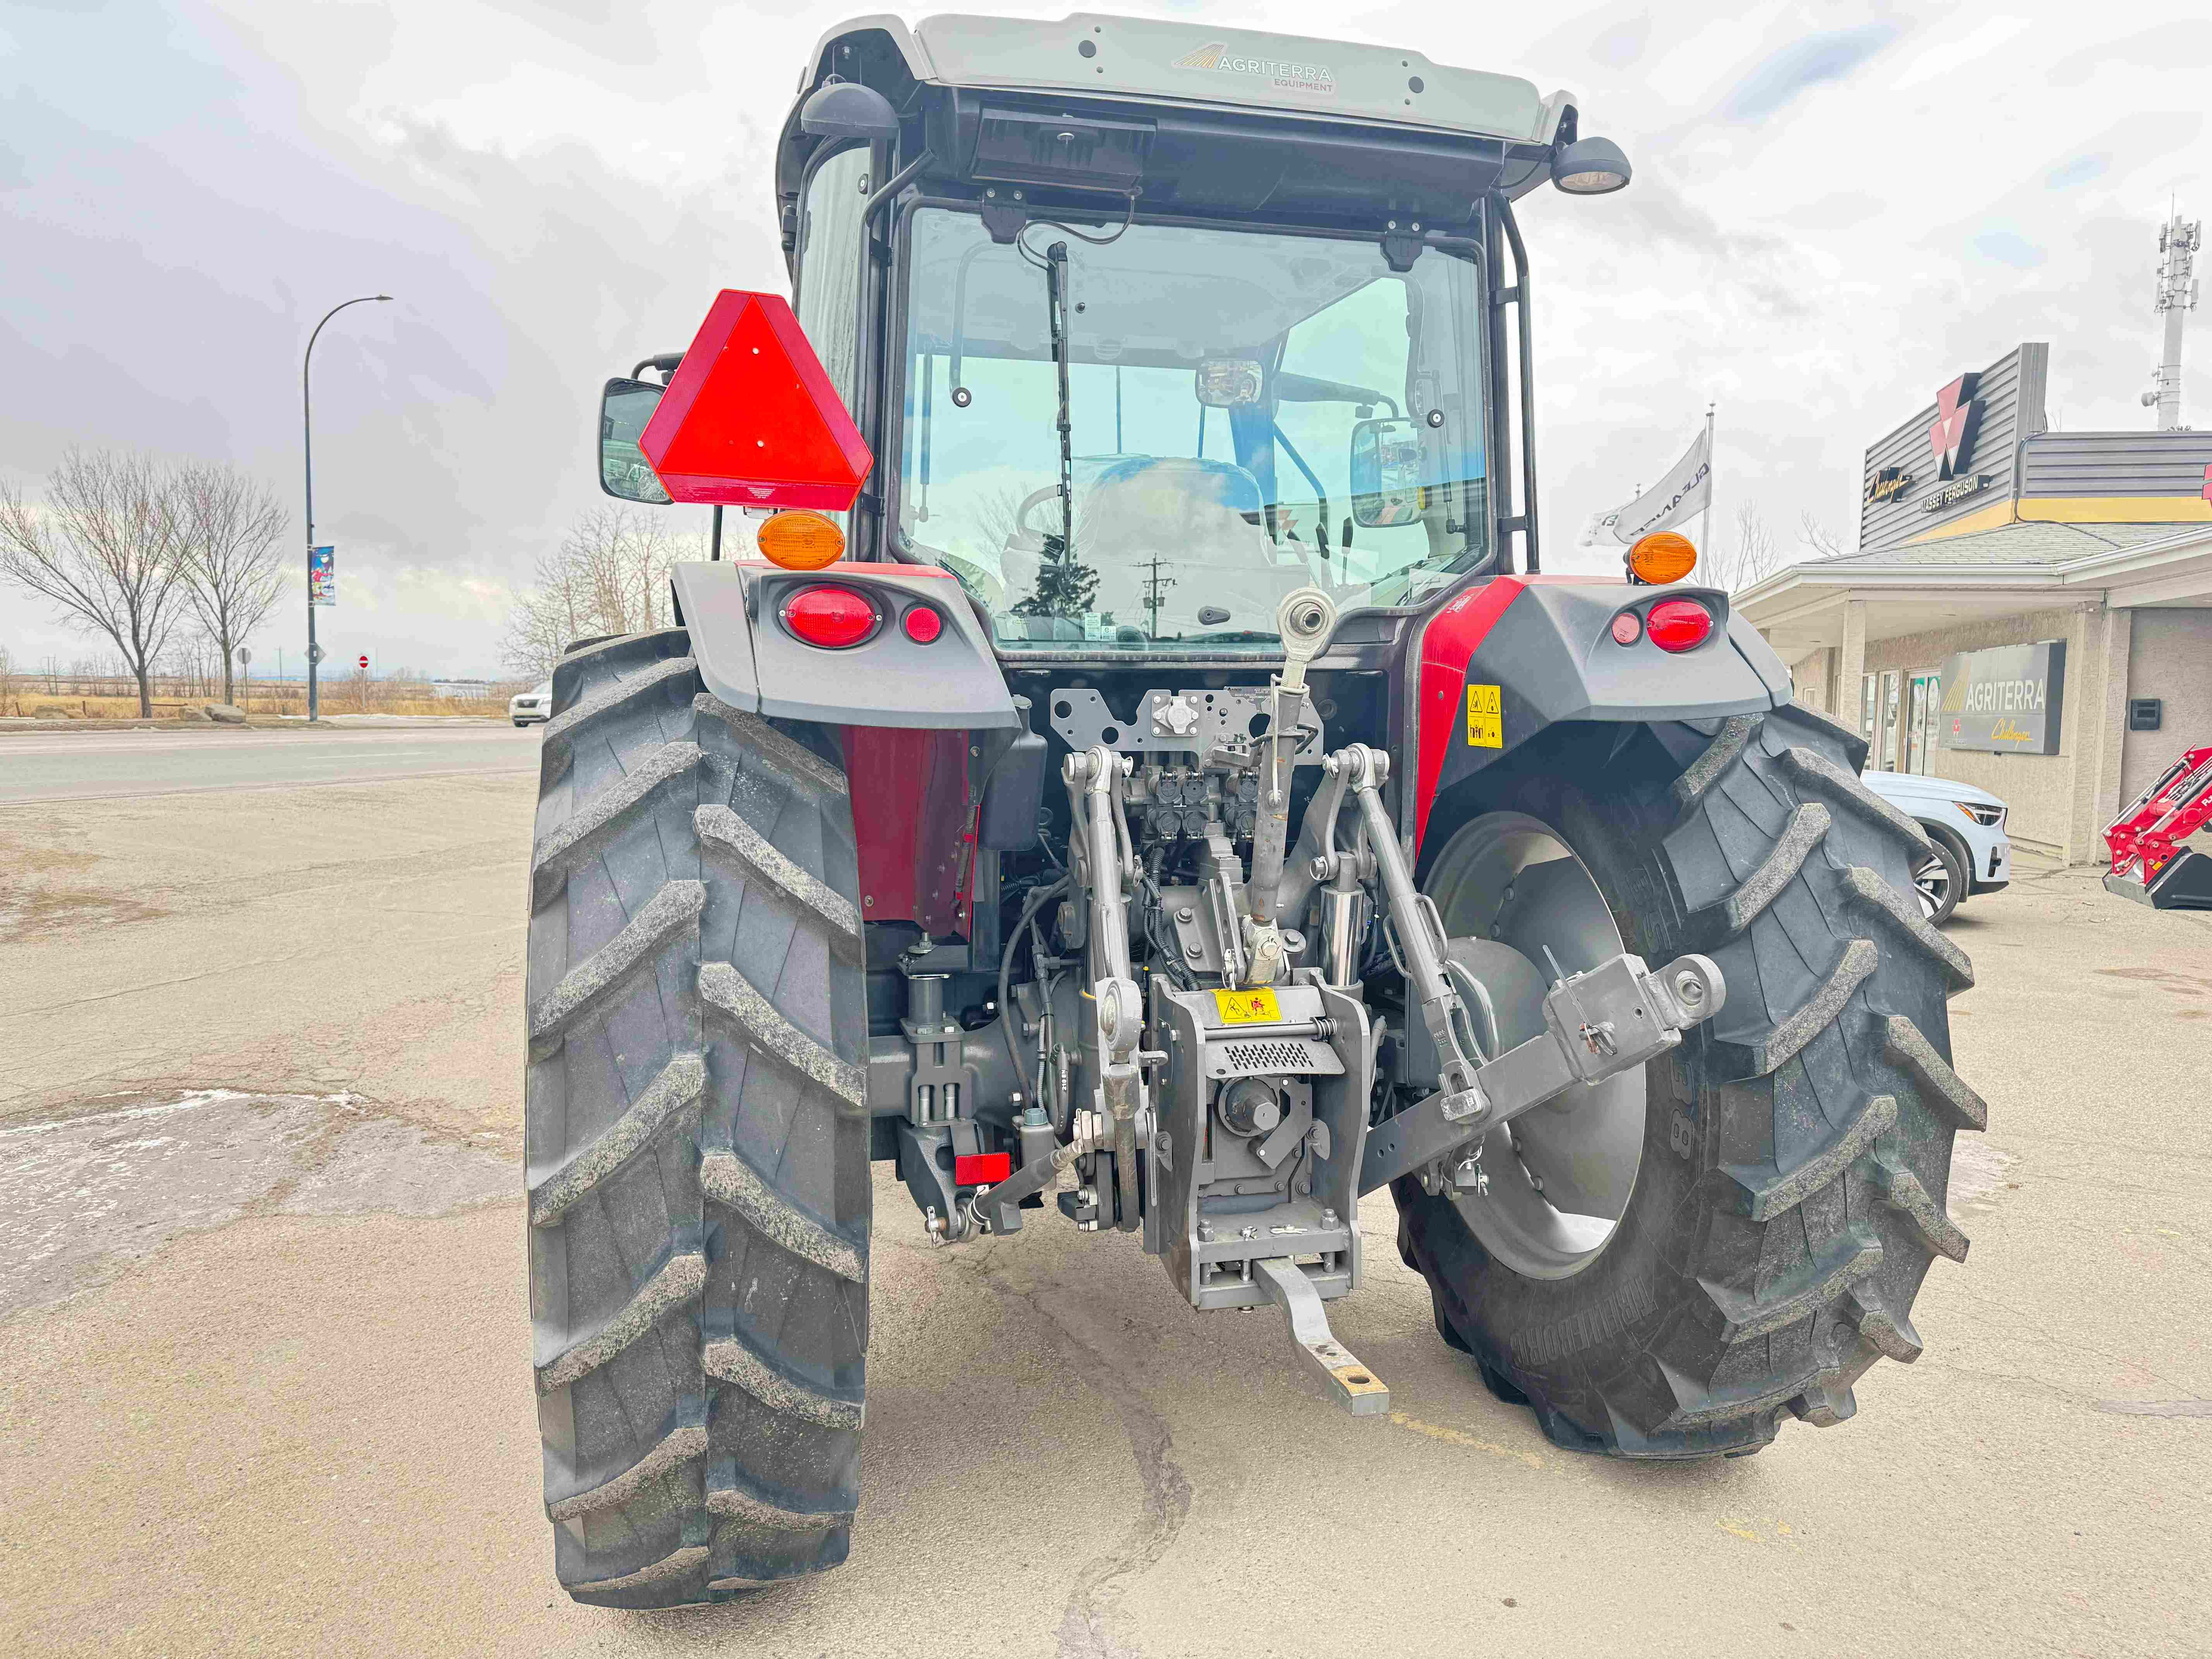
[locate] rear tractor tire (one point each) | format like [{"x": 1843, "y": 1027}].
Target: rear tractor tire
[
  {"x": 696, "y": 1136},
  {"x": 1733, "y": 1236}
]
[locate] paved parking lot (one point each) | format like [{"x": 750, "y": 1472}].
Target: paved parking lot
[{"x": 266, "y": 1383}]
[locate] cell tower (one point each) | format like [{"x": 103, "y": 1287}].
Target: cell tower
[{"x": 2178, "y": 242}]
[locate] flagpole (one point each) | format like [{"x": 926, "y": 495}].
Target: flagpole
[{"x": 1705, "y": 519}]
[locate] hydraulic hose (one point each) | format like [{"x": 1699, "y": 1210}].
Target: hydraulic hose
[{"x": 1036, "y": 900}]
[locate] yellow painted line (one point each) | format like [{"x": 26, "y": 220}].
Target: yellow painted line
[
  {"x": 1461, "y": 1438},
  {"x": 1743, "y": 1527}
]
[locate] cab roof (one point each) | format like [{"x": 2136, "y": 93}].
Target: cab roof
[{"x": 1159, "y": 61}]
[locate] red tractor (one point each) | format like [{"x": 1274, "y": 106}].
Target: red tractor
[
  {"x": 1140, "y": 779},
  {"x": 2150, "y": 864}
]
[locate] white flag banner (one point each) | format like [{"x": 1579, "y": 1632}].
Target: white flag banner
[{"x": 1676, "y": 499}]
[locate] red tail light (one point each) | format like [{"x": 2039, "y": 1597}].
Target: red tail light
[
  {"x": 1678, "y": 624},
  {"x": 831, "y": 617}
]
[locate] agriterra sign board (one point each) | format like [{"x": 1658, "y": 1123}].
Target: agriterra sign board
[{"x": 2008, "y": 700}]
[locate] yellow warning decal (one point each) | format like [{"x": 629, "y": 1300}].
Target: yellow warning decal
[
  {"x": 1486, "y": 717},
  {"x": 1247, "y": 1007}
]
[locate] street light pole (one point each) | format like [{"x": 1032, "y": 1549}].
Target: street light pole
[{"x": 307, "y": 453}]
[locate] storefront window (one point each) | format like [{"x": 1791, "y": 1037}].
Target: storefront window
[
  {"x": 1887, "y": 748},
  {"x": 1921, "y": 705}
]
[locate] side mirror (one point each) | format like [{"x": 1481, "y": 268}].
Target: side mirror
[
  {"x": 1386, "y": 472},
  {"x": 624, "y": 408}
]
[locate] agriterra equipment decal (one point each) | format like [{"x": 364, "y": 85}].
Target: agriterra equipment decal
[{"x": 1281, "y": 73}]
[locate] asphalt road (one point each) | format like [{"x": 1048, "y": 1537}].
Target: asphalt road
[
  {"x": 38, "y": 766},
  {"x": 266, "y": 1379}
]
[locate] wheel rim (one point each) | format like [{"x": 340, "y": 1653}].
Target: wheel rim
[
  {"x": 1932, "y": 881},
  {"x": 1560, "y": 1176}
]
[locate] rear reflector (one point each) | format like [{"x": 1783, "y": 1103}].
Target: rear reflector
[
  {"x": 1627, "y": 628},
  {"x": 1678, "y": 624},
  {"x": 982, "y": 1168},
  {"x": 831, "y": 617},
  {"x": 924, "y": 624}
]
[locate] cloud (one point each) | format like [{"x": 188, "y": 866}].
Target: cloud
[
  {"x": 1623, "y": 43},
  {"x": 1802, "y": 65},
  {"x": 555, "y": 188},
  {"x": 2079, "y": 171},
  {"x": 2009, "y": 248}
]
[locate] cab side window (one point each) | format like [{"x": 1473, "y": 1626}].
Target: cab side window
[{"x": 829, "y": 262}]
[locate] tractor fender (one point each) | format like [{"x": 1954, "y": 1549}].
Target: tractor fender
[
  {"x": 1504, "y": 659},
  {"x": 753, "y": 662}
]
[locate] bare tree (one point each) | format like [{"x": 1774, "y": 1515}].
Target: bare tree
[
  {"x": 103, "y": 550},
  {"x": 1817, "y": 535},
  {"x": 232, "y": 528},
  {"x": 610, "y": 575},
  {"x": 1754, "y": 555}
]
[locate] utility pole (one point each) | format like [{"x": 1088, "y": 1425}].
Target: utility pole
[
  {"x": 307, "y": 455},
  {"x": 1153, "y": 588},
  {"x": 2178, "y": 242}
]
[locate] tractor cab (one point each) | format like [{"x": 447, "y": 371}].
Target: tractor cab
[{"x": 1150, "y": 325}]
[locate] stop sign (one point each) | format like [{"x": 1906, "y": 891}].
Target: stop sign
[{"x": 751, "y": 418}]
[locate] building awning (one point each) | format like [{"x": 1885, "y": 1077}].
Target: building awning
[{"x": 1994, "y": 573}]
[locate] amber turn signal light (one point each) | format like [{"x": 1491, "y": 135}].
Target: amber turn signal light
[
  {"x": 1661, "y": 558},
  {"x": 800, "y": 541}
]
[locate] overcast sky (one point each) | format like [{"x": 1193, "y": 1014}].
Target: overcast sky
[{"x": 1837, "y": 208}]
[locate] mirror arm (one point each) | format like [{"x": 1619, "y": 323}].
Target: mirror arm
[
  {"x": 666, "y": 363},
  {"x": 1306, "y": 389}
]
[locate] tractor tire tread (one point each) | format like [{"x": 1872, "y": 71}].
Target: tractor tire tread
[
  {"x": 608, "y": 969},
  {"x": 580, "y": 837},
  {"x": 722, "y": 831},
  {"x": 1772, "y": 1197},
  {"x": 1810, "y": 1121},
  {"x": 560, "y": 734},
  {"x": 732, "y": 1179},
  {"x": 678, "y": 1087},
  {"x": 673, "y": 1451},
  {"x": 698, "y": 1214}
]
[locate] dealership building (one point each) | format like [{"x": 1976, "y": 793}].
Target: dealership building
[{"x": 2028, "y": 611}]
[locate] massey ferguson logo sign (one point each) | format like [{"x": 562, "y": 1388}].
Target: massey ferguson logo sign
[
  {"x": 1957, "y": 421},
  {"x": 1281, "y": 73}
]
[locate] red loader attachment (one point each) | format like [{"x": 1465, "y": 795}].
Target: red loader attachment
[{"x": 2149, "y": 865}]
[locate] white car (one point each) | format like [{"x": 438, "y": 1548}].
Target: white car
[
  {"x": 531, "y": 707},
  {"x": 1967, "y": 826}
]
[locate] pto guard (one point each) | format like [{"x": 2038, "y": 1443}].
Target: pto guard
[
  {"x": 747, "y": 659},
  {"x": 1505, "y": 660}
]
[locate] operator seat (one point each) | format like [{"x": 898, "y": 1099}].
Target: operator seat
[{"x": 1196, "y": 525}]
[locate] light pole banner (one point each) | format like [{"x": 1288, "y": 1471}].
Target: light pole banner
[
  {"x": 322, "y": 577},
  {"x": 1676, "y": 499}
]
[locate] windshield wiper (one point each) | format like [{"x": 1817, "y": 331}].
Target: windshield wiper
[{"x": 1055, "y": 295}]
